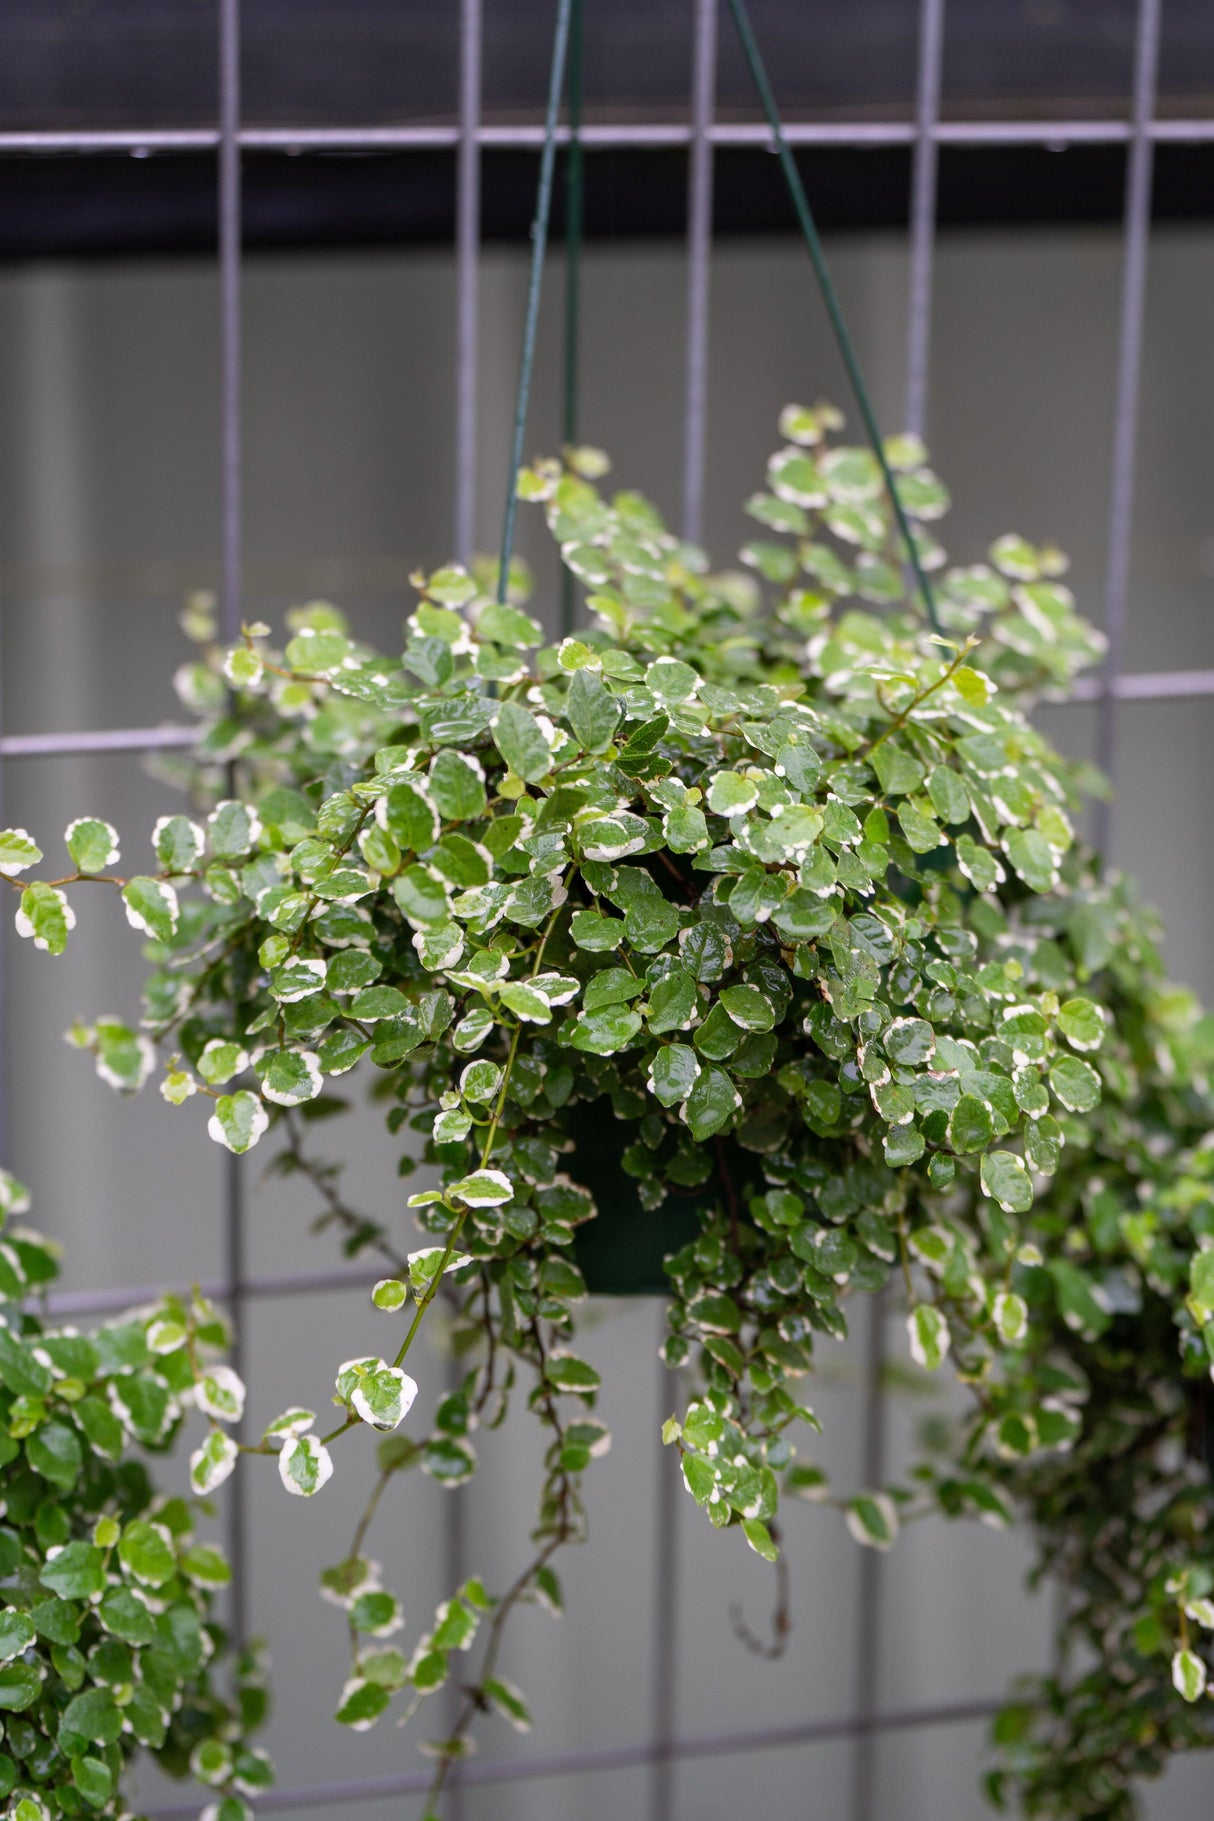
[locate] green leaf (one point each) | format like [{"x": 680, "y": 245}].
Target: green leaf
[
  {"x": 568, "y": 1373},
  {"x": 950, "y": 799},
  {"x": 18, "y": 852},
  {"x": 93, "y": 1779},
  {"x": 179, "y": 844},
  {"x": 1201, "y": 1283},
  {"x": 76, "y": 1573},
  {"x": 93, "y": 844},
  {"x": 448, "y": 1460},
  {"x": 1032, "y": 858},
  {"x": 650, "y": 923},
  {"x": 146, "y": 1551},
  {"x": 594, "y": 932},
  {"x": 54, "y": 1451},
  {"x": 748, "y": 1008},
  {"x": 1076, "y": 1303},
  {"x": 1076, "y": 1084},
  {"x": 483, "y": 1189},
  {"x": 592, "y": 711},
  {"x": 213, "y": 1462},
  {"x": 1011, "y": 1317},
  {"x": 686, "y": 830},
  {"x": 46, "y": 915},
  {"x": 1188, "y": 1675},
  {"x": 20, "y": 1686},
  {"x": 730, "y": 794},
  {"x": 970, "y": 1127},
  {"x": 410, "y": 814},
  {"x": 929, "y": 1336},
  {"x": 1007, "y": 1182},
  {"x": 20, "y": 1371},
  {"x": 921, "y": 832},
  {"x": 238, "y": 1121},
  {"x": 520, "y": 740},
  {"x": 151, "y": 906},
  {"x": 607, "y": 1031},
  {"x": 712, "y": 1104},
  {"x": 16, "y": 1634},
  {"x": 1082, "y": 1024},
  {"x": 381, "y": 1395},
  {"x": 304, "y": 1465},
  {"x": 504, "y": 1696},
  {"x": 290, "y": 1077},
  {"x": 898, "y": 771},
  {"x": 673, "y": 1073},
  {"x": 390, "y": 1294},
  {"x": 457, "y": 788},
  {"x": 760, "y": 1539},
  {"x": 872, "y": 1519}
]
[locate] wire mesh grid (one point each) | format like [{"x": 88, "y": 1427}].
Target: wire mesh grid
[{"x": 703, "y": 137}]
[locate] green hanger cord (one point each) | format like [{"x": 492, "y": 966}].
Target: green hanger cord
[
  {"x": 539, "y": 243},
  {"x": 834, "y": 309},
  {"x": 574, "y": 180}
]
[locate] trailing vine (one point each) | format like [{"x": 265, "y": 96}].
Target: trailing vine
[{"x": 788, "y": 885}]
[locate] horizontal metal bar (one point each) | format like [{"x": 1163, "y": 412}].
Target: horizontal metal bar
[
  {"x": 136, "y": 1296},
  {"x": 605, "y": 136},
  {"x": 1146, "y": 686},
  {"x": 1140, "y": 686},
  {"x": 67, "y": 745},
  {"x": 624, "y": 1757}
]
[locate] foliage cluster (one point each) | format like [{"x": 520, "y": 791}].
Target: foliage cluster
[
  {"x": 792, "y": 885},
  {"x": 108, "y": 1642}
]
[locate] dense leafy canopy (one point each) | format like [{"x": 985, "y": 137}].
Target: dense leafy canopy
[
  {"x": 107, "y": 1639},
  {"x": 791, "y": 886}
]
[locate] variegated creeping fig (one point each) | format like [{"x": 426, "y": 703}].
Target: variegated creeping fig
[{"x": 785, "y": 884}]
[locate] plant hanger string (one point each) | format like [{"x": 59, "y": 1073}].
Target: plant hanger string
[
  {"x": 834, "y": 308},
  {"x": 539, "y": 244},
  {"x": 574, "y": 211}
]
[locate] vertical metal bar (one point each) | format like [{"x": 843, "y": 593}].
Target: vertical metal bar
[
  {"x": 923, "y": 214},
  {"x": 230, "y": 622},
  {"x": 869, "y": 1616},
  {"x": 467, "y": 276},
  {"x": 699, "y": 250},
  {"x": 699, "y": 254},
  {"x": 665, "y": 1614},
  {"x": 5, "y": 1157},
  {"x": 467, "y": 362},
  {"x": 1125, "y": 412}
]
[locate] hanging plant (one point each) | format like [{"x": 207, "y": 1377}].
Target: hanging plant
[
  {"x": 108, "y": 1644},
  {"x": 742, "y": 942}
]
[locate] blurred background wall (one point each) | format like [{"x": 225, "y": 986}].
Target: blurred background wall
[{"x": 109, "y": 515}]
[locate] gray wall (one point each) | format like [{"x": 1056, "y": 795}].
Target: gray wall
[{"x": 109, "y": 513}]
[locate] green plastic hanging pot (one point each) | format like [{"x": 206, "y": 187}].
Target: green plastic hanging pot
[{"x": 621, "y": 1252}]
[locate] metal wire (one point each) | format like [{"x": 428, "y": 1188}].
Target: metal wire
[
  {"x": 699, "y": 253},
  {"x": 574, "y": 213},
  {"x": 834, "y": 309},
  {"x": 539, "y": 245},
  {"x": 623, "y": 1757}
]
